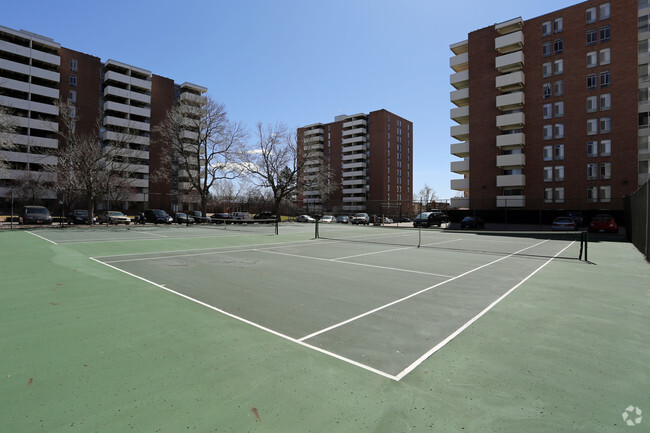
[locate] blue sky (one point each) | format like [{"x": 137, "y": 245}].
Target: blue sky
[{"x": 292, "y": 61}]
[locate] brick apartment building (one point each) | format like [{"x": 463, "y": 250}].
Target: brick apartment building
[
  {"x": 36, "y": 72},
  {"x": 358, "y": 163},
  {"x": 553, "y": 112}
]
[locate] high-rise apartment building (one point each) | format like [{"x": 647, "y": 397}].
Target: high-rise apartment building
[
  {"x": 357, "y": 163},
  {"x": 553, "y": 112},
  {"x": 36, "y": 74}
]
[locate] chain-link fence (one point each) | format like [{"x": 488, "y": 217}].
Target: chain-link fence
[{"x": 638, "y": 219}]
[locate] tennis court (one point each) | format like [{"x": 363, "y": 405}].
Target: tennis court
[{"x": 240, "y": 329}]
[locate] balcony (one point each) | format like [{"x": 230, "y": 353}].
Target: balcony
[
  {"x": 460, "y": 132},
  {"x": 511, "y": 200},
  {"x": 356, "y": 173},
  {"x": 510, "y": 141},
  {"x": 459, "y": 62},
  {"x": 511, "y": 81},
  {"x": 357, "y": 164},
  {"x": 509, "y": 26},
  {"x": 460, "y": 47},
  {"x": 511, "y": 180},
  {"x": 356, "y": 123},
  {"x": 460, "y": 150},
  {"x": 511, "y": 101},
  {"x": 517, "y": 160},
  {"x": 460, "y": 114},
  {"x": 354, "y": 199},
  {"x": 510, "y": 62},
  {"x": 460, "y": 184},
  {"x": 357, "y": 150},
  {"x": 460, "y": 202},
  {"x": 511, "y": 121},
  {"x": 354, "y": 131},
  {"x": 460, "y": 167},
  {"x": 509, "y": 43},
  {"x": 351, "y": 191},
  {"x": 315, "y": 131},
  {"x": 459, "y": 80},
  {"x": 358, "y": 139},
  {"x": 459, "y": 97}
]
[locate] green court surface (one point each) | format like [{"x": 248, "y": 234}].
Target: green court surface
[{"x": 167, "y": 329}]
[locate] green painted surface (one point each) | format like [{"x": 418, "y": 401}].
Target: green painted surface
[{"x": 87, "y": 348}]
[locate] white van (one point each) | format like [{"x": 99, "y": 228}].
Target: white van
[{"x": 240, "y": 215}]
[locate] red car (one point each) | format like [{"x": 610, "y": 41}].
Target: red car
[{"x": 603, "y": 223}]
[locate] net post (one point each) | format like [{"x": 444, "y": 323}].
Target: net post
[
  {"x": 419, "y": 236},
  {"x": 277, "y": 226},
  {"x": 586, "y": 234},
  {"x": 316, "y": 234}
]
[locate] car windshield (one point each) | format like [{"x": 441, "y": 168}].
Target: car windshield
[
  {"x": 423, "y": 215},
  {"x": 602, "y": 218},
  {"x": 115, "y": 213},
  {"x": 81, "y": 212},
  {"x": 564, "y": 220},
  {"x": 36, "y": 210}
]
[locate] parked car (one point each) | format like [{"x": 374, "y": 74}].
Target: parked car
[
  {"x": 35, "y": 215},
  {"x": 79, "y": 216},
  {"x": 198, "y": 217},
  {"x": 264, "y": 216},
  {"x": 603, "y": 223},
  {"x": 327, "y": 219},
  {"x": 219, "y": 217},
  {"x": 304, "y": 219},
  {"x": 183, "y": 218},
  {"x": 577, "y": 218},
  {"x": 428, "y": 219},
  {"x": 113, "y": 217},
  {"x": 470, "y": 222},
  {"x": 564, "y": 223},
  {"x": 157, "y": 216},
  {"x": 343, "y": 219},
  {"x": 360, "y": 218}
]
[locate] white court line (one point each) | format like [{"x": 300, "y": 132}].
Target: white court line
[
  {"x": 248, "y": 322},
  {"x": 154, "y": 234},
  {"x": 353, "y": 263},
  {"x": 390, "y": 304},
  {"x": 453, "y": 335},
  {"x": 369, "y": 254},
  {"x": 39, "y": 236},
  {"x": 201, "y": 236}
]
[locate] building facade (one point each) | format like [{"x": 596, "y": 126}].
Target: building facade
[
  {"x": 552, "y": 112},
  {"x": 120, "y": 102},
  {"x": 358, "y": 163}
]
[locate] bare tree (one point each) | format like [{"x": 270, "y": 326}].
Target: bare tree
[
  {"x": 272, "y": 161},
  {"x": 426, "y": 195},
  {"x": 88, "y": 167},
  {"x": 201, "y": 144},
  {"x": 323, "y": 181},
  {"x": 7, "y": 128}
]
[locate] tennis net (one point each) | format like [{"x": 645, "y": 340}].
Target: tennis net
[
  {"x": 262, "y": 226},
  {"x": 556, "y": 244}
]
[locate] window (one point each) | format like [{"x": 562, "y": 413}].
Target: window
[
  {"x": 604, "y": 11},
  {"x": 548, "y": 174},
  {"x": 547, "y": 69},
  {"x": 548, "y": 132},
  {"x": 559, "y": 195},
  {"x": 558, "y": 88},
  {"x": 592, "y": 126},
  {"x": 73, "y": 80},
  {"x": 592, "y": 194},
  {"x": 592, "y": 59},
  {"x": 643, "y": 47},
  {"x": 605, "y": 193},
  {"x": 644, "y": 22},
  {"x": 592, "y": 37},
  {"x": 559, "y": 173},
  {"x": 546, "y": 28},
  {"x": 605, "y": 147},
  {"x": 644, "y": 71},
  {"x": 606, "y": 170},
  {"x": 559, "y": 152},
  {"x": 546, "y": 49},
  {"x": 547, "y": 90},
  {"x": 73, "y": 64},
  {"x": 605, "y": 33},
  {"x": 644, "y": 144},
  {"x": 605, "y": 125},
  {"x": 548, "y": 195},
  {"x": 548, "y": 153},
  {"x": 558, "y": 46},
  {"x": 592, "y": 82},
  {"x": 644, "y": 96},
  {"x": 591, "y": 15},
  {"x": 644, "y": 167},
  {"x": 559, "y": 130},
  {"x": 592, "y": 104},
  {"x": 605, "y": 56},
  {"x": 592, "y": 149},
  {"x": 605, "y": 79},
  {"x": 558, "y": 109},
  {"x": 592, "y": 171},
  {"x": 548, "y": 111},
  {"x": 605, "y": 101},
  {"x": 73, "y": 96},
  {"x": 557, "y": 25},
  {"x": 558, "y": 67}
]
